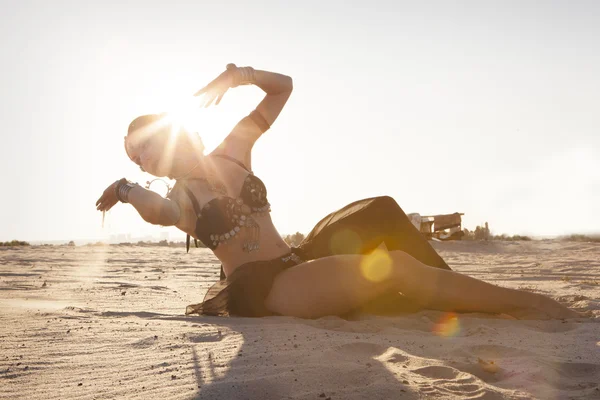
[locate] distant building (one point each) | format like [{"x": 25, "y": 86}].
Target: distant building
[{"x": 120, "y": 238}]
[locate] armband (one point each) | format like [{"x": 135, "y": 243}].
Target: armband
[{"x": 260, "y": 121}]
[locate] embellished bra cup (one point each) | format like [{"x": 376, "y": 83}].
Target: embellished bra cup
[
  {"x": 223, "y": 217},
  {"x": 254, "y": 193}
]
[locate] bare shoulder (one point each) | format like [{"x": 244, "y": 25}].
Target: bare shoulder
[{"x": 237, "y": 148}]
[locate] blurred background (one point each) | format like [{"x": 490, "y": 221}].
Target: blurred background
[{"x": 487, "y": 108}]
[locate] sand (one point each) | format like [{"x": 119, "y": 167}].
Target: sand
[{"x": 107, "y": 323}]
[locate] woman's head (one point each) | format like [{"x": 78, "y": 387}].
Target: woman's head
[{"x": 161, "y": 147}]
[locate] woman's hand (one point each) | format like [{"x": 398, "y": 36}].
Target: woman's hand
[
  {"x": 218, "y": 87},
  {"x": 108, "y": 198}
]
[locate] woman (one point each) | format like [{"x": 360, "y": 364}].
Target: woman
[{"x": 364, "y": 253}]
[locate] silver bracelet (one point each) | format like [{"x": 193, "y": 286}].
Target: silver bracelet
[
  {"x": 122, "y": 190},
  {"x": 243, "y": 76}
]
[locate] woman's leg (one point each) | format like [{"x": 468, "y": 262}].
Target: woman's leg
[
  {"x": 333, "y": 285},
  {"x": 452, "y": 291},
  {"x": 339, "y": 284}
]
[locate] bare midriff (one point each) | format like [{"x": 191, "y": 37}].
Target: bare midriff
[{"x": 271, "y": 246}]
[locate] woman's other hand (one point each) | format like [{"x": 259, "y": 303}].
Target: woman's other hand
[
  {"x": 108, "y": 198},
  {"x": 218, "y": 87}
]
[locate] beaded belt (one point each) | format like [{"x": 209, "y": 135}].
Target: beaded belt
[{"x": 293, "y": 257}]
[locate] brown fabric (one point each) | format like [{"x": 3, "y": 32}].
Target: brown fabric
[
  {"x": 243, "y": 293},
  {"x": 362, "y": 226}
]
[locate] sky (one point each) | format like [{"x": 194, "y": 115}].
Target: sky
[{"x": 489, "y": 108}]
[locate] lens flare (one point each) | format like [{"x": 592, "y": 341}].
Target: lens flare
[
  {"x": 376, "y": 266},
  {"x": 447, "y": 326},
  {"x": 346, "y": 241},
  {"x": 181, "y": 116}
]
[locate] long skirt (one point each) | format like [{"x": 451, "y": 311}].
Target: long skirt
[{"x": 358, "y": 228}]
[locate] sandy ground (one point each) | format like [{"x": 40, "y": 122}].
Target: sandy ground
[{"x": 108, "y": 323}]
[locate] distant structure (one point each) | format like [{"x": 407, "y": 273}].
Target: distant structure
[
  {"x": 120, "y": 238},
  {"x": 441, "y": 227}
]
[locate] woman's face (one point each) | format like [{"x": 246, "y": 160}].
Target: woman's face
[{"x": 148, "y": 153}]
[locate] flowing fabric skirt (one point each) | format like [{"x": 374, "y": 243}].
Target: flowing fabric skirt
[{"x": 358, "y": 228}]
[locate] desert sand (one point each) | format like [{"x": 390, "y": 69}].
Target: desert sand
[{"x": 107, "y": 323}]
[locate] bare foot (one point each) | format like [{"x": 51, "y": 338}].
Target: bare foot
[
  {"x": 557, "y": 310},
  {"x": 544, "y": 307}
]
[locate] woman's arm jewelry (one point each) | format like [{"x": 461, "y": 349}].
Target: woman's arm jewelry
[
  {"x": 122, "y": 190},
  {"x": 260, "y": 121},
  {"x": 243, "y": 76}
]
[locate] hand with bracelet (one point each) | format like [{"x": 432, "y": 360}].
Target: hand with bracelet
[
  {"x": 230, "y": 78},
  {"x": 117, "y": 191}
]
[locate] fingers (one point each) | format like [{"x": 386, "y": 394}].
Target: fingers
[
  {"x": 106, "y": 205},
  {"x": 209, "y": 100},
  {"x": 201, "y": 91},
  {"x": 105, "y": 208},
  {"x": 211, "y": 97},
  {"x": 101, "y": 200},
  {"x": 100, "y": 205}
]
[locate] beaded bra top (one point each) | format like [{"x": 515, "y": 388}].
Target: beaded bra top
[{"x": 224, "y": 218}]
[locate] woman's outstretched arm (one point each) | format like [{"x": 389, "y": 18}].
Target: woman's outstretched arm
[{"x": 151, "y": 206}]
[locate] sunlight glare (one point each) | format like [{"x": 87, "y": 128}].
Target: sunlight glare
[
  {"x": 447, "y": 326},
  {"x": 376, "y": 266},
  {"x": 184, "y": 112}
]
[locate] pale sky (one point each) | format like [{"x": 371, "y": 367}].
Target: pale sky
[{"x": 491, "y": 108}]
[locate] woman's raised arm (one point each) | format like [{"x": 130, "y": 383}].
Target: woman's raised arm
[{"x": 278, "y": 88}]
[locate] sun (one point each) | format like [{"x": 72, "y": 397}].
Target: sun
[
  {"x": 184, "y": 112},
  {"x": 181, "y": 113}
]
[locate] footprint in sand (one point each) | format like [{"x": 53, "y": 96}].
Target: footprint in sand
[
  {"x": 444, "y": 381},
  {"x": 438, "y": 372},
  {"x": 394, "y": 356},
  {"x": 490, "y": 363}
]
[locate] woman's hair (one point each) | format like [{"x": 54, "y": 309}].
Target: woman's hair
[
  {"x": 154, "y": 126},
  {"x": 148, "y": 125}
]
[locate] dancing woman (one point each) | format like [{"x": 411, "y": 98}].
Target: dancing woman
[{"x": 367, "y": 251}]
